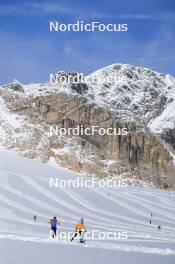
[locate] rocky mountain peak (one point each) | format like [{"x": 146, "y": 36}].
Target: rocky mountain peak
[
  {"x": 15, "y": 86},
  {"x": 139, "y": 99},
  {"x": 136, "y": 93},
  {"x": 74, "y": 79}
]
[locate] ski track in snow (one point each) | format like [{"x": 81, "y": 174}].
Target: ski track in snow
[
  {"x": 146, "y": 204},
  {"x": 93, "y": 244},
  {"x": 134, "y": 217}
]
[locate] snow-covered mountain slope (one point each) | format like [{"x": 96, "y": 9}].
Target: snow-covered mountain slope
[
  {"x": 133, "y": 93},
  {"x": 138, "y": 94},
  {"x": 138, "y": 99},
  {"x": 25, "y": 192}
]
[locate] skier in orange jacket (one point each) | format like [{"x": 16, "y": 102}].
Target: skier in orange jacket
[
  {"x": 53, "y": 226},
  {"x": 79, "y": 229}
]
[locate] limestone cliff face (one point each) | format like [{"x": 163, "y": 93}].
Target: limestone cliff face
[{"x": 27, "y": 117}]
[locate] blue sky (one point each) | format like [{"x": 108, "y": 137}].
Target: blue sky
[{"x": 29, "y": 52}]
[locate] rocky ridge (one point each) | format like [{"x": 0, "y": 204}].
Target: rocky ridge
[{"x": 140, "y": 100}]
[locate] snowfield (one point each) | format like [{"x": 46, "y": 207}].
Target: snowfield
[{"x": 25, "y": 192}]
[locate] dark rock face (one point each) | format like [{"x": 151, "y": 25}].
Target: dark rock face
[
  {"x": 74, "y": 79},
  {"x": 169, "y": 137},
  {"x": 15, "y": 86},
  {"x": 80, "y": 88},
  {"x": 139, "y": 152}
]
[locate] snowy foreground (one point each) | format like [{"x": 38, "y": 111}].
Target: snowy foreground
[{"x": 25, "y": 192}]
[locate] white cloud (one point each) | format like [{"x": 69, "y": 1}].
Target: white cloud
[
  {"x": 48, "y": 8},
  {"x": 28, "y": 8}
]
